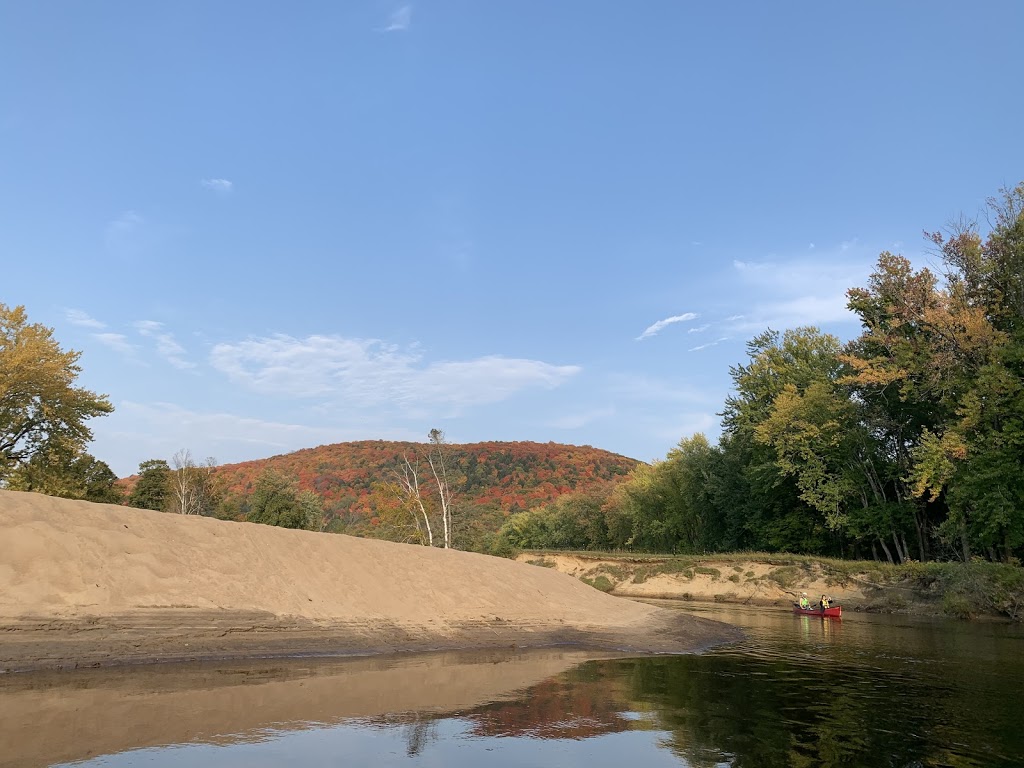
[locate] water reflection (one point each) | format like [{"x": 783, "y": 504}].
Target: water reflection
[
  {"x": 54, "y": 717},
  {"x": 869, "y": 691}
]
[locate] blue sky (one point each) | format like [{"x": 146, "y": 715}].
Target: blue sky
[{"x": 269, "y": 226}]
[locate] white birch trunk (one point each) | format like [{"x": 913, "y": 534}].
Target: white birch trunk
[{"x": 411, "y": 482}]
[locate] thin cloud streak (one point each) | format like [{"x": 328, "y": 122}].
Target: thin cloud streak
[
  {"x": 647, "y": 389},
  {"x": 654, "y": 328},
  {"x": 83, "y": 319},
  {"x": 400, "y": 20},
  {"x": 166, "y": 345},
  {"x": 122, "y": 235},
  {"x": 137, "y": 431},
  {"x": 800, "y": 291},
  {"x": 223, "y": 186},
  {"x": 580, "y": 420},
  {"x": 714, "y": 343},
  {"x": 116, "y": 341}
]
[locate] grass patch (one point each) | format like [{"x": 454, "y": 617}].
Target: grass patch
[
  {"x": 601, "y": 583},
  {"x": 957, "y": 605},
  {"x": 617, "y": 572},
  {"x": 787, "y": 577},
  {"x": 714, "y": 573}
]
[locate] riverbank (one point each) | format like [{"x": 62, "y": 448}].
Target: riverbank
[
  {"x": 973, "y": 590},
  {"x": 85, "y": 584}
]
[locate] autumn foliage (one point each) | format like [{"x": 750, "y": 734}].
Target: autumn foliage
[{"x": 491, "y": 480}]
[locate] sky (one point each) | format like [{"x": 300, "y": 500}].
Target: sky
[{"x": 269, "y": 226}]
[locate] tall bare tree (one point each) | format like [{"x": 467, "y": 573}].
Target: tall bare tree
[
  {"x": 409, "y": 482},
  {"x": 192, "y": 487},
  {"x": 436, "y": 458}
]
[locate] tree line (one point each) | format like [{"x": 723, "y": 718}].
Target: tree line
[
  {"x": 904, "y": 443},
  {"x": 191, "y": 488}
]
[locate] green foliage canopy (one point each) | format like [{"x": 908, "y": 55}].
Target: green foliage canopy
[
  {"x": 152, "y": 488},
  {"x": 41, "y": 411}
]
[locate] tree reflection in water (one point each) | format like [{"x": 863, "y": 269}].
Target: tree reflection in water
[{"x": 812, "y": 700}]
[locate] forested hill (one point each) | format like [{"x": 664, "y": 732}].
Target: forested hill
[{"x": 490, "y": 480}]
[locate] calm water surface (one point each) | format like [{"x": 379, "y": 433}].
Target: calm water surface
[{"x": 800, "y": 691}]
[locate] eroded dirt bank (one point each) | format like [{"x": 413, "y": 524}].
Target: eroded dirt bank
[{"x": 975, "y": 590}]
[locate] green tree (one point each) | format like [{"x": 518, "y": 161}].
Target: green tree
[
  {"x": 274, "y": 501},
  {"x": 762, "y": 504},
  {"x": 974, "y": 457},
  {"x": 58, "y": 471},
  {"x": 153, "y": 486},
  {"x": 311, "y": 507},
  {"x": 671, "y": 502},
  {"x": 40, "y": 408}
]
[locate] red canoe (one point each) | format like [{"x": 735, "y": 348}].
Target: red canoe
[{"x": 835, "y": 612}]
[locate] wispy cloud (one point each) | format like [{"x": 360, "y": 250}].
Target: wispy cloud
[
  {"x": 83, "y": 319},
  {"x": 369, "y": 372},
  {"x": 804, "y": 290},
  {"x": 647, "y": 389},
  {"x": 400, "y": 20},
  {"x": 223, "y": 186},
  {"x": 654, "y": 328},
  {"x": 139, "y": 430},
  {"x": 122, "y": 234},
  {"x": 699, "y": 328},
  {"x": 166, "y": 345},
  {"x": 116, "y": 341},
  {"x": 687, "y": 424},
  {"x": 714, "y": 343},
  {"x": 580, "y": 420}
]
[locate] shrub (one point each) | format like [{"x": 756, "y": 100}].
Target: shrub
[
  {"x": 957, "y": 605},
  {"x": 786, "y": 577},
  {"x": 601, "y": 582}
]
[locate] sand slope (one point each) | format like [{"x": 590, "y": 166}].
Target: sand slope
[{"x": 91, "y": 583}]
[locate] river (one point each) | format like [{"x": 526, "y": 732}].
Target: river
[{"x": 799, "y": 691}]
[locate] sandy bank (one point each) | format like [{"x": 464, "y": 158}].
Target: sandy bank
[
  {"x": 924, "y": 589},
  {"x": 709, "y": 580},
  {"x": 90, "y": 584}
]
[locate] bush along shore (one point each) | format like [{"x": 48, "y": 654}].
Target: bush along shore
[{"x": 959, "y": 590}]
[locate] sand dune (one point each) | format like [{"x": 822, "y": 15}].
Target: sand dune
[{"x": 86, "y": 584}]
